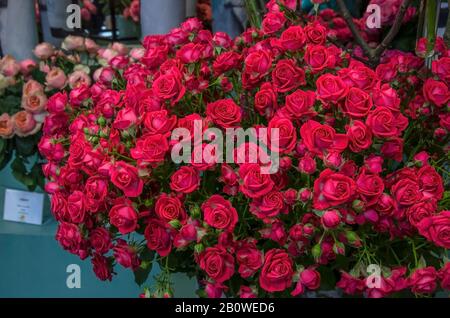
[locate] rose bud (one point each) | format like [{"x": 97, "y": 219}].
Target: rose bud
[
  {"x": 331, "y": 219},
  {"x": 44, "y": 50},
  {"x": 307, "y": 165},
  {"x": 305, "y": 195}
]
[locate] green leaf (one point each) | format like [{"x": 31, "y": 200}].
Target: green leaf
[
  {"x": 25, "y": 146},
  {"x": 38, "y": 175},
  {"x": 141, "y": 274},
  {"x": 19, "y": 171}
]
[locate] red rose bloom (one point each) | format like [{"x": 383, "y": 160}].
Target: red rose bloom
[
  {"x": 436, "y": 92},
  {"x": 219, "y": 213},
  {"x": 331, "y": 88},
  {"x": 436, "y": 229},
  {"x": 126, "y": 178},
  {"x": 423, "y": 280},
  {"x": 266, "y": 100},
  {"x": 185, "y": 180},
  {"x": 123, "y": 216},
  {"x": 301, "y": 104},
  {"x": 272, "y": 22},
  {"x": 293, "y": 38},
  {"x": 287, "y": 76},
  {"x": 254, "y": 184},
  {"x": 385, "y": 124},
  {"x": 287, "y": 135},
  {"x": 406, "y": 192},
  {"x": 357, "y": 103},
  {"x": 359, "y": 136},
  {"x": 158, "y": 237},
  {"x": 420, "y": 211},
  {"x": 318, "y": 138},
  {"x": 217, "y": 263},
  {"x": 369, "y": 187},
  {"x": 169, "y": 87},
  {"x": 170, "y": 208},
  {"x": 268, "y": 206},
  {"x": 276, "y": 274},
  {"x": 150, "y": 149},
  {"x": 249, "y": 258},
  {"x": 257, "y": 65},
  {"x": 318, "y": 58},
  {"x": 224, "y": 113},
  {"x": 159, "y": 122},
  {"x": 430, "y": 183},
  {"x": 332, "y": 189}
]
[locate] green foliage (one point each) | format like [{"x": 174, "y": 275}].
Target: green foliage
[{"x": 141, "y": 274}]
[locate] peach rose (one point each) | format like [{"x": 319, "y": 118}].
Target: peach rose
[
  {"x": 91, "y": 46},
  {"x": 137, "y": 53},
  {"x": 79, "y": 77},
  {"x": 24, "y": 124},
  {"x": 9, "y": 66},
  {"x": 107, "y": 54},
  {"x": 44, "y": 50},
  {"x": 6, "y": 126},
  {"x": 26, "y": 66},
  {"x": 120, "y": 48},
  {"x": 34, "y": 103},
  {"x": 56, "y": 79},
  {"x": 32, "y": 87},
  {"x": 74, "y": 43}
]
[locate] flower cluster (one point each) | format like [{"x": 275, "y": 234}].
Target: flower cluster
[
  {"x": 359, "y": 181},
  {"x": 24, "y": 90}
]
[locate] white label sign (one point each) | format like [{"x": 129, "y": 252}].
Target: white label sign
[{"x": 22, "y": 206}]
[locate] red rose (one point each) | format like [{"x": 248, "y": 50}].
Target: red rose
[
  {"x": 272, "y": 22},
  {"x": 430, "y": 182},
  {"x": 78, "y": 95},
  {"x": 257, "y": 65},
  {"x": 100, "y": 240},
  {"x": 441, "y": 68},
  {"x": 406, "y": 192},
  {"x": 123, "y": 216},
  {"x": 393, "y": 149},
  {"x": 318, "y": 58},
  {"x": 286, "y": 132},
  {"x": 436, "y": 229},
  {"x": 224, "y": 113},
  {"x": 217, "y": 263},
  {"x": 76, "y": 207},
  {"x": 155, "y": 56},
  {"x": 359, "y": 136},
  {"x": 219, "y": 213},
  {"x": 126, "y": 255},
  {"x": 69, "y": 236},
  {"x": 150, "y": 149},
  {"x": 287, "y": 76},
  {"x": 444, "y": 275},
  {"x": 420, "y": 211},
  {"x": 318, "y": 138},
  {"x": 369, "y": 187},
  {"x": 185, "y": 180},
  {"x": 159, "y": 122},
  {"x": 125, "y": 118},
  {"x": 293, "y": 38},
  {"x": 331, "y": 88},
  {"x": 95, "y": 190},
  {"x": 268, "y": 206},
  {"x": 225, "y": 62},
  {"x": 301, "y": 104},
  {"x": 276, "y": 274},
  {"x": 423, "y": 280},
  {"x": 316, "y": 33},
  {"x": 351, "y": 285},
  {"x": 158, "y": 237},
  {"x": 436, "y": 92},
  {"x": 57, "y": 103},
  {"x": 332, "y": 189},
  {"x": 385, "y": 124},
  {"x": 254, "y": 184},
  {"x": 331, "y": 219},
  {"x": 249, "y": 258},
  {"x": 357, "y": 103},
  {"x": 266, "y": 100},
  {"x": 126, "y": 178},
  {"x": 310, "y": 278},
  {"x": 169, "y": 87},
  {"x": 170, "y": 208},
  {"x": 358, "y": 75},
  {"x": 386, "y": 96},
  {"x": 190, "y": 53},
  {"x": 101, "y": 267}
]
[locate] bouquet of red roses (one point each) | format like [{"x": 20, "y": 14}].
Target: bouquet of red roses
[{"x": 272, "y": 164}]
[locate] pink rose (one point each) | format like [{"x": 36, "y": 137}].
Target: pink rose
[{"x": 123, "y": 216}]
